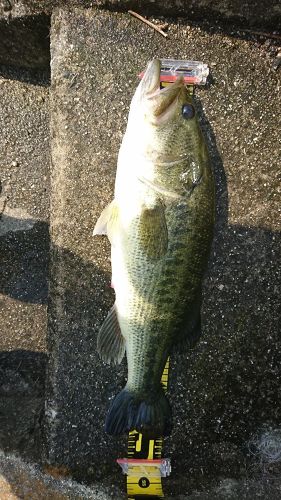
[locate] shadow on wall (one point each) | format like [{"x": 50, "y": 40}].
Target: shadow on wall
[
  {"x": 25, "y": 259},
  {"x": 227, "y": 388},
  {"x": 25, "y": 43},
  {"x": 230, "y": 382},
  {"x": 24, "y": 278},
  {"x": 36, "y": 76},
  {"x": 22, "y": 393}
]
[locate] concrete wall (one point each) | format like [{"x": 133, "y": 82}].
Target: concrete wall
[{"x": 227, "y": 387}]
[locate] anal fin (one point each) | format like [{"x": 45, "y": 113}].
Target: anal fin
[{"x": 111, "y": 343}]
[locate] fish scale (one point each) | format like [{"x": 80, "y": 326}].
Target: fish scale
[{"x": 151, "y": 336}]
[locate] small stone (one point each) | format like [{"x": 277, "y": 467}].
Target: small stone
[
  {"x": 267, "y": 43},
  {"x": 15, "y": 163},
  {"x": 277, "y": 61},
  {"x": 7, "y": 6}
]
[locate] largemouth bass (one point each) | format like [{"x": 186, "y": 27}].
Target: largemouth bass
[{"x": 160, "y": 226}]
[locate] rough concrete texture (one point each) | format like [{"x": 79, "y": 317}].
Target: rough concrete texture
[
  {"x": 24, "y": 168},
  {"x": 21, "y": 480},
  {"x": 228, "y": 386},
  {"x": 24, "y": 244},
  {"x": 252, "y": 13},
  {"x": 22, "y": 381},
  {"x": 25, "y": 41}
]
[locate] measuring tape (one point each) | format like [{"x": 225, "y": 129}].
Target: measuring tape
[{"x": 145, "y": 466}]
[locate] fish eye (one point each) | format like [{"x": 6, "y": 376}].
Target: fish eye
[{"x": 188, "y": 111}]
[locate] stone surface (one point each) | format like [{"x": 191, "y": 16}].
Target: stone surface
[
  {"x": 24, "y": 244},
  {"x": 24, "y": 203},
  {"x": 22, "y": 382},
  {"x": 227, "y": 388},
  {"x": 22, "y": 480},
  {"x": 24, "y": 41},
  {"x": 248, "y": 13},
  {"x": 19, "y": 480}
]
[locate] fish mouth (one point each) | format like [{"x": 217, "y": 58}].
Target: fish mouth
[{"x": 160, "y": 103}]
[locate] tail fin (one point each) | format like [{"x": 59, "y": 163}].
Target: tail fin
[{"x": 129, "y": 412}]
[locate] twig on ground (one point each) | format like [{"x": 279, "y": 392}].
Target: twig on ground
[
  {"x": 149, "y": 23},
  {"x": 163, "y": 26}
]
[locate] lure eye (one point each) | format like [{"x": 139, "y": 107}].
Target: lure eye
[{"x": 188, "y": 111}]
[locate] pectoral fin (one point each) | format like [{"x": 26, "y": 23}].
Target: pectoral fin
[
  {"x": 111, "y": 343},
  {"x": 108, "y": 222},
  {"x": 154, "y": 232}
]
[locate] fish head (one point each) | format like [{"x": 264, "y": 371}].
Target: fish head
[
  {"x": 157, "y": 106},
  {"x": 163, "y": 127}
]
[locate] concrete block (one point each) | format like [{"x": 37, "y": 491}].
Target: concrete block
[
  {"x": 224, "y": 390},
  {"x": 24, "y": 247},
  {"x": 24, "y": 204}
]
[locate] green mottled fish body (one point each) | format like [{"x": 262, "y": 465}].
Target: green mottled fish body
[{"x": 160, "y": 225}]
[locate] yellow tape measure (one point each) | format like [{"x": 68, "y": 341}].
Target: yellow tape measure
[{"x": 144, "y": 466}]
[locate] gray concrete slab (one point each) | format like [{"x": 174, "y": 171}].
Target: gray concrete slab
[
  {"x": 227, "y": 388},
  {"x": 24, "y": 244},
  {"x": 24, "y": 200}
]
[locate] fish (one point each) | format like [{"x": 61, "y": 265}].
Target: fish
[{"x": 160, "y": 226}]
